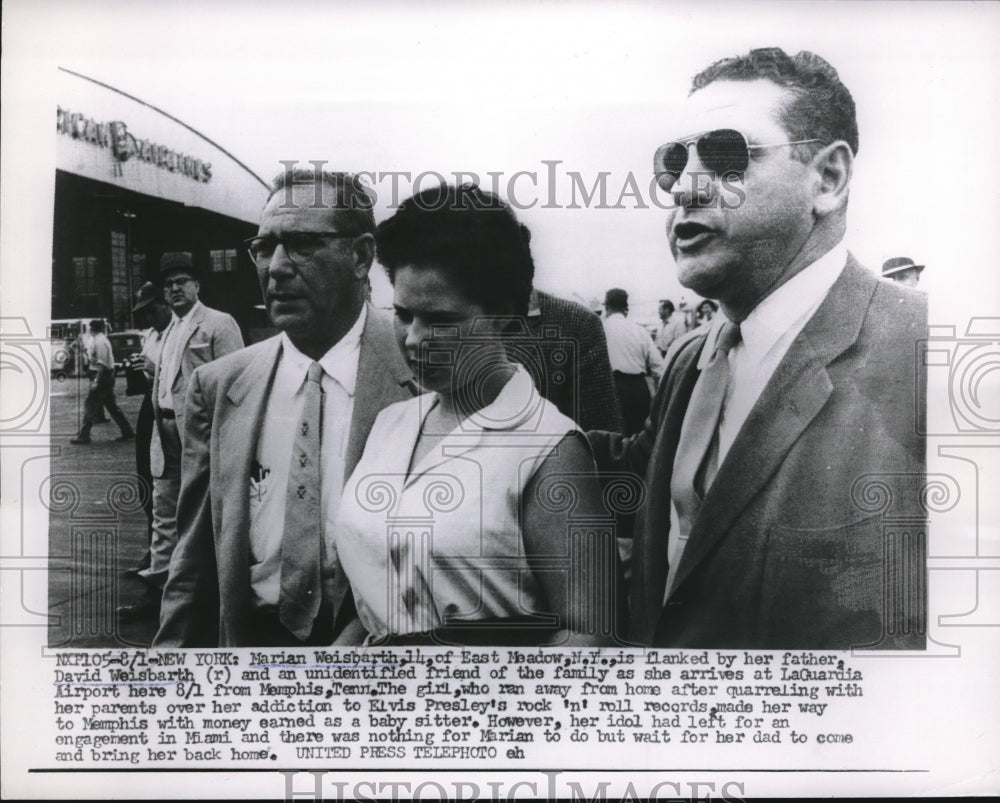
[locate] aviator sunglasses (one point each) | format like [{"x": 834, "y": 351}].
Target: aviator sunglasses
[{"x": 723, "y": 152}]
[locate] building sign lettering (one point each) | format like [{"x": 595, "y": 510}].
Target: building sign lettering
[{"x": 124, "y": 145}]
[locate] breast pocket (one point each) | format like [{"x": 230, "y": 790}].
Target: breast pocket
[
  {"x": 199, "y": 352},
  {"x": 855, "y": 585}
]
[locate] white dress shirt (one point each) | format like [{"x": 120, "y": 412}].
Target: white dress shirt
[
  {"x": 170, "y": 356},
  {"x": 766, "y": 335},
  {"x": 102, "y": 353},
  {"x": 152, "y": 345},
  {"x": 630, "y": 348},
  {"x": 269, "y": 480},
  {"x": 670, "y": 331}
]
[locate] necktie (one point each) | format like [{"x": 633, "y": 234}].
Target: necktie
[
  {"x": 301, "y": 542},
  {"x": 694, "y": 468}
]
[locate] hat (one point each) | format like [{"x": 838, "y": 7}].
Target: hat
[
  {"x": 897, "y": 264},
  {"x": 147, "y": 294},
  {"x": 177, "y": 260}
]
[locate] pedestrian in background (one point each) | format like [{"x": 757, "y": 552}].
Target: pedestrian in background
[
  {"x": 672, "y": 326},
  {"x": 195, "y": 335},
  {"x": 633, "y": 357},
  {"x": 102, "y": 388}
]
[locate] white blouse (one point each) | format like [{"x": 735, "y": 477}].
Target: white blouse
[{"x": 442, "y": 545}]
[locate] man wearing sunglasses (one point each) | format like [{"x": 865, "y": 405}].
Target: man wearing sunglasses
[
  {"x": 274, "y": 430},
  {"x": 787, "y": 429}
]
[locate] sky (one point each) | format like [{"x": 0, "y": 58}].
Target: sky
[{"x": 549, "y": 89}]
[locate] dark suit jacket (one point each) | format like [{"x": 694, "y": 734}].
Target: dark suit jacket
[
  {"x": 812, "y": 534},
  {"x": 571, "y": 368},
  {"x": 207, "y": 598}
]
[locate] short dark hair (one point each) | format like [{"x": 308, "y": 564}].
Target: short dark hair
[
  {"x": 468, "y": 233},
  {"x": 666, "y": 303},
  {"x": 354, "y": 202},
  {"x": 711, "y": 305},
  {"x": 97, "y": 325},
  {"x": 616, "y": 298},
  {"x": 821, "y": 106}
]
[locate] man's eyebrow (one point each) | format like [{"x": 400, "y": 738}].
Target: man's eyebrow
[{"x": 428, "y": 310}]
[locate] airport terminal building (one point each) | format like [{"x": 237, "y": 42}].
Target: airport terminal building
[{"x": 133, "y": 182}]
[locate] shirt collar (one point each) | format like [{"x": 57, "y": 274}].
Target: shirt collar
[
  {"x": 534, "y": 304},
  {"x": 340, "y": 363},
  {"x": 517, "y": 402},
  {"x": 787, "y": 308}
]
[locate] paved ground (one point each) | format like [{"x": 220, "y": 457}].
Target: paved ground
[{"x": 97, "y": 527}]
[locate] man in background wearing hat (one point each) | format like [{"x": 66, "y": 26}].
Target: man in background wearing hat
[
  {"x": 102, "y": 388},
  {"x": 195, "y": 335},
  {"x": 902, "y": 270},
  {"x": 151, "y": 308}
]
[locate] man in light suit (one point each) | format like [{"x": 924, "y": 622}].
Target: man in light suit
[
  {"x": 196, "y": 335},
  {"x": 232, "y": 575},
  {"x": 787, "y": 431}
]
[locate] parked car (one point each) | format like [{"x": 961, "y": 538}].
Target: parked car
[
  {"x": 62, "y": 361},
  {"x": 124, "y": 345}
]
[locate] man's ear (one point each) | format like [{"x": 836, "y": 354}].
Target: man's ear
[
  {"x": 834, "y": 166},
  {"x": 364, "y": 254}
]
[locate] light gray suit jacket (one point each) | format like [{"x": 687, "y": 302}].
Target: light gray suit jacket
[
  {"x": 207, "y": 598},
  {"x": 211, "y": 334}
]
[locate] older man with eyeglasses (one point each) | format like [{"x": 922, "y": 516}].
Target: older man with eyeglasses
[
  {"x": 272, "y": 432},
  {"x": 196, "y": 335},
  {"x": 783, "y": 454}
]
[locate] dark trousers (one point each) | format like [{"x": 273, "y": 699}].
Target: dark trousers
[
  {"x": 267, "y": 631},
  {"x": 102, "y": 396},
  {"x": 633, "y": 396}
]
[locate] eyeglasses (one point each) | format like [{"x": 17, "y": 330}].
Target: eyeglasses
[
  {"x": 299, "y": 245},
  {"x": 177, "y": 281},
  {"x": 724, "y": 151}
]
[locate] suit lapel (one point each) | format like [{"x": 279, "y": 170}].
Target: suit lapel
[
  {"x": 382, "y": 376},
  {"x": 651, "y": 561},
  {"x": 239, "y": 432},
  {"x": 794, "y": 396},
  {"x": 196, "y": 318}
]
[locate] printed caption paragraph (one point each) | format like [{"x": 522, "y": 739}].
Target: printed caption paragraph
[{"x": 444, "y": 705}]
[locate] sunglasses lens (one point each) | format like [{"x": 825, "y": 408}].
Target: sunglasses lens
[
  {"x": 724, "y": 152},
  {"x": 669, "y": 163}
]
